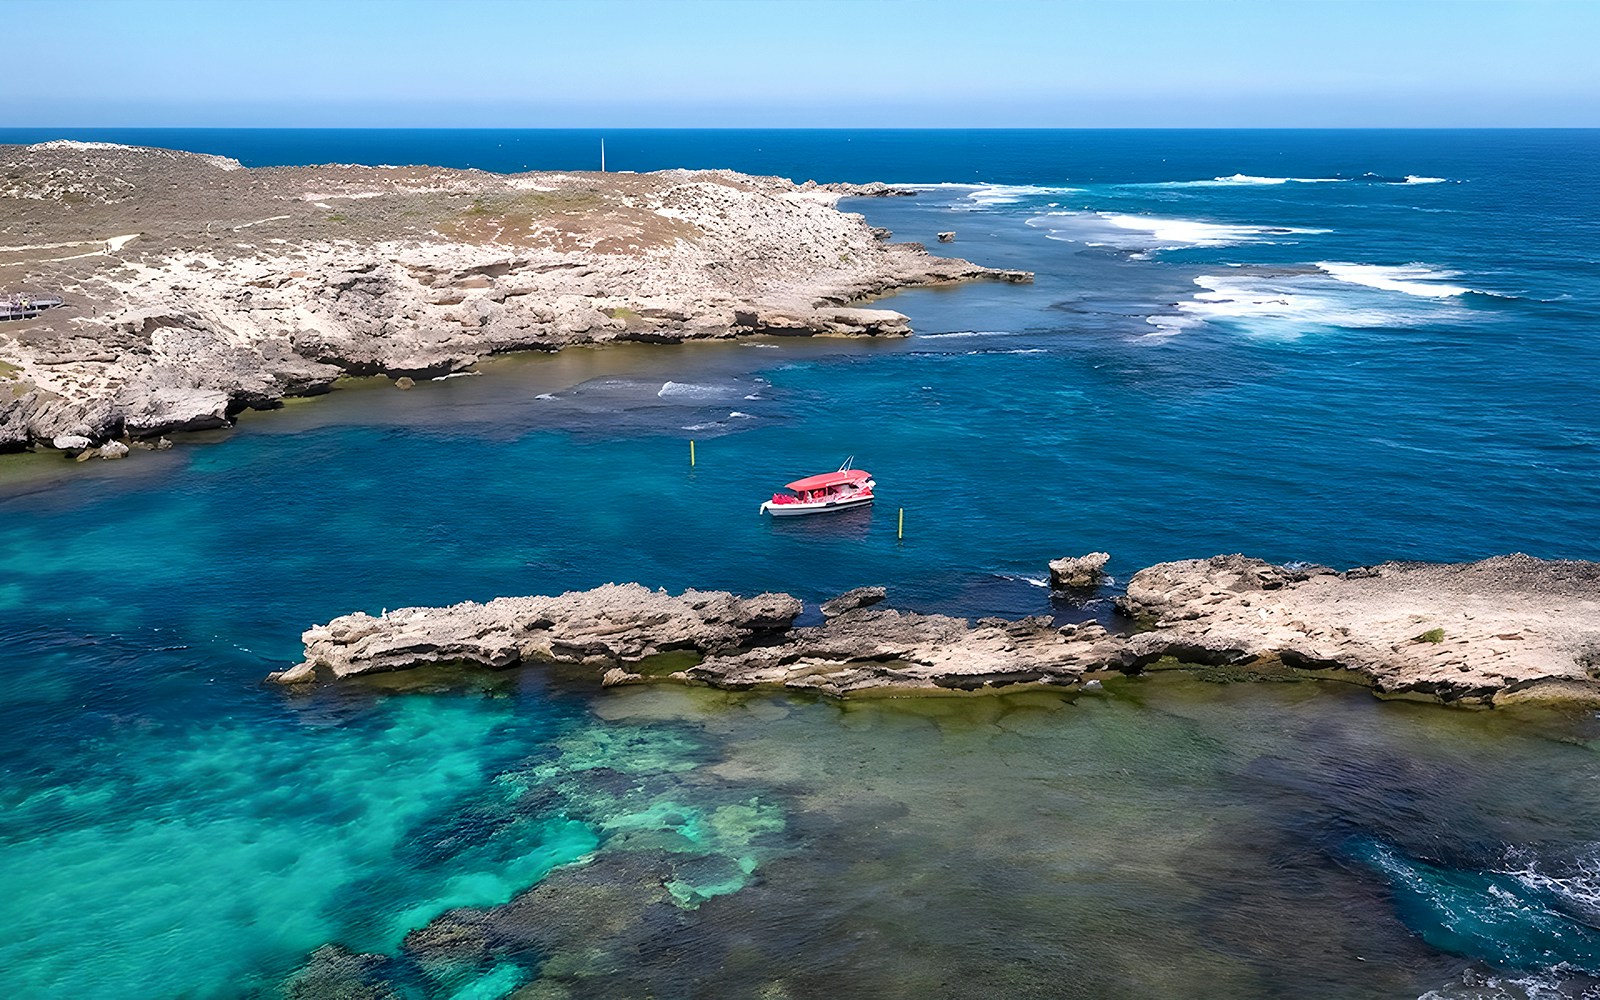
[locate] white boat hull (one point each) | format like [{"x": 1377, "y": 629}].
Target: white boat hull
[{"x": 796, "y": 509}]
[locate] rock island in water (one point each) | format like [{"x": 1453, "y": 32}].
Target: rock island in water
[{"x": 1506, "y": 629}]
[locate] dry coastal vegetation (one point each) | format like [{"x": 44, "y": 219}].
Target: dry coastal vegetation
[{"x": 194, "y": 288}]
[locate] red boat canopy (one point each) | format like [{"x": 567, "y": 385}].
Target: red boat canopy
[{"x": 830, "y": 479}]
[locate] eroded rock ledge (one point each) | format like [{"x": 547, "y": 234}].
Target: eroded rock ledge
[
  {"x": 1506, "y": 629},
  {"x": 195, "y": 288}
]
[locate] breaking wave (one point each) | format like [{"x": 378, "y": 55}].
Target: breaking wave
[
  {"x": 1030, "y": 580},
  {"x": 1236, "y": 180},
  {"x": 990, "y": 195},
  {"x": 1185, "y": 232},
  {"x": 1009, "y": 194},
  {"x": 693, "y": 390},
  {"x": 1407, "y": 179},
  {"x": 1412, "y": 279},
  {"x": 1153, "y": 232},
  {"x": 1248, "y": 180},
  {"x": 1291, "y": 305}
]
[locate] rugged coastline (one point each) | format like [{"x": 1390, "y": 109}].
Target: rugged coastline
[
  {"x": 195, "y": 288},
  {"x": 1503, "y": 630}
]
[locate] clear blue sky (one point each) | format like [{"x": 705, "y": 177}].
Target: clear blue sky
[{"x": 800, "y": 63}]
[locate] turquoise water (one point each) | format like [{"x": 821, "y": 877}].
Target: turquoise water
[
  {"x": 1344, "y": 369},
  {"x": 209, "y": 853}
]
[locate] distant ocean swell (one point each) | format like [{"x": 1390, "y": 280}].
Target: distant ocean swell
[
  {"x": 1285, "y": 300},
  {"x": 1247, "y": 180}
]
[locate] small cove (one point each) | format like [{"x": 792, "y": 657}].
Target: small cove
[{"x": 173, "y": 824}]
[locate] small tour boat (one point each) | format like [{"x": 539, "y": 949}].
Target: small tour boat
[{"x": 840, "y": 490}]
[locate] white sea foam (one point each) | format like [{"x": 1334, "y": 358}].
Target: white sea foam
[
  {"x": 965, "y": 333},
  {"x": 1412, "y": 279},
  {"x": 1032, "y": 581},
  {"x": 1188, "y": 232},
  {"x": 1154, "y": 232},
  {"x": 1246, "y": 180},
  {"x": 1291, "y": 305},
  {"x": 1249, "y": 179},
  {"x": 690, "y": 390},
  {"x": 1474, "y": 984},
  {"x": 988, "y": 195},
  {"x": 711, "y": 425},
  {"x": 1575, "y": 880},
  {"x": 1167, "y": 324}
]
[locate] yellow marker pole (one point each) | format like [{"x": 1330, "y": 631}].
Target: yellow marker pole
[
  {"x": 691, "y": 454},
  {"x": 900, "y": 532}
]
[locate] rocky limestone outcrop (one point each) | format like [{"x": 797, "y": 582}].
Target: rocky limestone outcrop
[
  {"x": 871, "y": 189},
  {"x": 1506, "y": 629},
  {"x": 195, "y": 288},
  {"x": 886, "y": 651},
  {"x": 743, "y": 643},
  {"x": 853, "y": 600},
  {"x": 610, "y": 626},
  {"x": 1073, "y": 572}
]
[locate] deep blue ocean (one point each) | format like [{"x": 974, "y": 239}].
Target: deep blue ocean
[{"x": 1331, "y": 346}]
